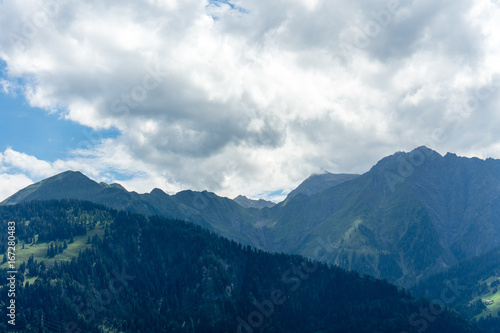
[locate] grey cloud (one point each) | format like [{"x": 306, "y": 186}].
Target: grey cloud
[{"x": 268, "y": 84}]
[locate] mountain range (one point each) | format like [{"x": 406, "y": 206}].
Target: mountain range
[{"x": 412, "y": 215}]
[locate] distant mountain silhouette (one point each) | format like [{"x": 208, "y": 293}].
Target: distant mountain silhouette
[
  {"x": 320, "y": 182},
  {"x": 250, "y": 203}
]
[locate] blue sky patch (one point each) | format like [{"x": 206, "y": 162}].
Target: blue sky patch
[{"x": 36, "y": 132}]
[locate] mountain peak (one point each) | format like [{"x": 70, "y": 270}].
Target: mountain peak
[
  {"x": 415, "y": 157},
  {"x": 157, "y": 191},
  {"x": 450, "y": 155},
  {"x": 316, "y": 183},
  {"x": 69, "y": 174},
  {"x": 68, "y": 184},
  {"x": 425, "y": 149}
]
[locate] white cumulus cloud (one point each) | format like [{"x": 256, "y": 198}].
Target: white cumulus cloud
[{"x": 252, "y": 96}]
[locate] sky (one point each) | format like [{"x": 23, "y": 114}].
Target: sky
[{"x": 241, "y": 97}]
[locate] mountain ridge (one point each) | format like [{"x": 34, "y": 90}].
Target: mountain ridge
[
  {"x": 316, "y": 183},
  {"x": 251, "y": 203},
  {"x": 203, "y": 208},
  {"x": 412, "y": 215}
]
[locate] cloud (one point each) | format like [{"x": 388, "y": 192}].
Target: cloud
[
  {"x": 252, "y": 96},
  {"x": 11, "y": 183},
  {"x": 26, "y": 163}
]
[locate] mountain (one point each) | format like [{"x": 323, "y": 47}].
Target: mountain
[
  {"x": 320, "y": 182},
  {"x": 139, "y": 274},
  {"x": 217, "y": 214},
  {"x": 412, "y": 215},
  {"x": 250, "y": 203}
]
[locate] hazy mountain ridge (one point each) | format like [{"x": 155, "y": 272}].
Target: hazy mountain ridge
[
  {"x": 251, "y": 203},
  {"x": 319, "y": 182}
]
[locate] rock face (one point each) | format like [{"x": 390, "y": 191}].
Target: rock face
[{"x": 412, "y": 215}]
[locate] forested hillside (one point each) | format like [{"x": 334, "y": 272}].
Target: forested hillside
[
  {"x": 479, "y": 281},
  {"x": 154, "y": 274}
]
